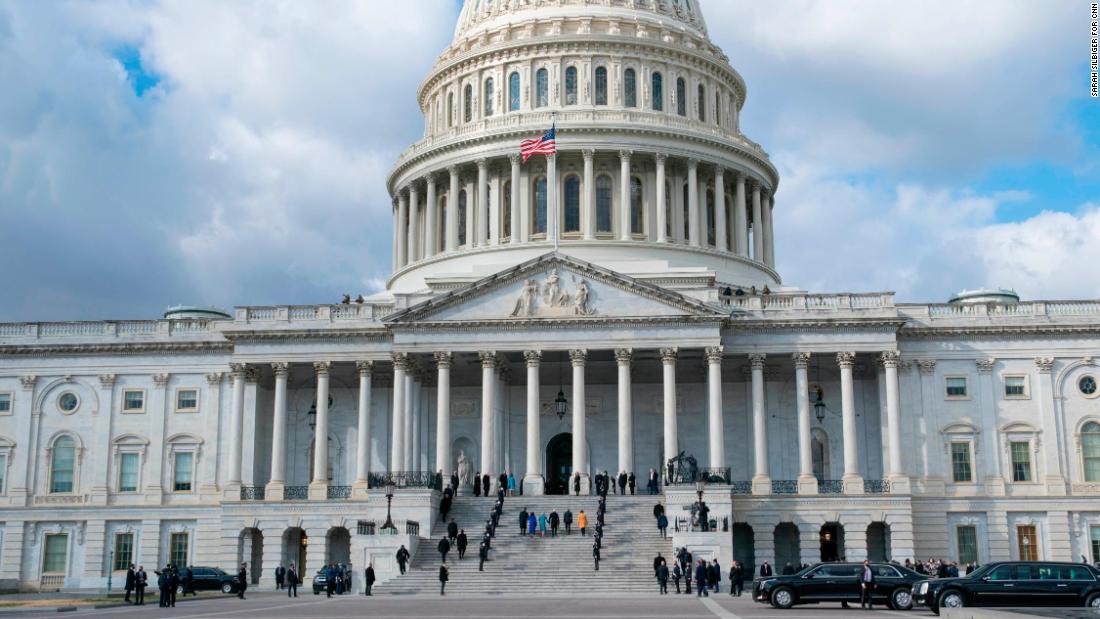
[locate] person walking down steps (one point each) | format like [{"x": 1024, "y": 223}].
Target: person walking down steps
[{"x": 444, "y": 575}]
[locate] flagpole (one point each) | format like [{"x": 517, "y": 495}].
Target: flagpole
[{"x": 553, "y": 167}]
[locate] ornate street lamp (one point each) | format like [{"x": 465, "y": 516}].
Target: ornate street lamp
[
  {"x": 389, "y": 502},
  {"x": 561, "y": 405}
]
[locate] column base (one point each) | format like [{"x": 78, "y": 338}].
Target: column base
[
  {"x": 586, "y": 485},
  {"x": 318, "y": 491},
  {"x": 853, "y": 484},
  {"x": 273, "y": 491},
  {"x": 359, "y": 489},
  {"x": 761, "y": 484},
  {"x": 901, "y": 484},
  {"x": 534, "y": 485},
  {"x": 807, "y": 484}
]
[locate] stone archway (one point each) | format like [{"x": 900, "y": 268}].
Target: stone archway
[
  {"x": 878, "y": 541},
  {"x": 250, "y": 549},
  {"x": 788, "y": 546},
  {"x": 295, "y": 541},
  {"x": 338, "y": 546},
  {"x": 744, "y": 546},
  {"x": 832, "y": 542},
  {"x": 559, "y": 463}
]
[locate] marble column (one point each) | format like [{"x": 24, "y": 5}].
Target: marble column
[
  {"x": 553, "y": 215},
  {"x": 533, "y": 481},
  {"x": 757, "y": 225},
  {"x": 853, "y": 482},
  {"x": 451, "y": 216},
  {"x": 807, "y": 482},
  {"x": 662, "y": 212},
  {"x": 414, "y": 224},
  {"x": 580, "y": 408},
  {"x": 899, "y": 481},
  {"x": 624, "y": 195},
  {"x": 715, "y": 430},
  {"x": 236, "y": 427},
  {"x": 362, "y": 449},
  {"x": 761, "y": 480},
  {"x": 397, "y": 422},
  {"x": 488, "y": 436},
  {"x": 769, "y": 237},
  {"x": 589, "y": 205},
  {"x": 513, "y": 199},
  {"x": 471, "y": 214},
  {"x": 623, "y": 357},
  {"x": 402, "y": 229},
  {"x": 443, "y": 415},
  {"x": 482, "y": 194},
  {"x": 668, "y": 375},
  {"x": 318, "y": 487},
  {"x": 431, "y": 216},
  {"x": 395, "y": 232},
  {"x": 693, "y": 203},
  {"x": 740, "y": 219},
  {"x": 277, "y": 480},
  {"x": 412, "y": 420},
  {"x": 721, "y": 227}
]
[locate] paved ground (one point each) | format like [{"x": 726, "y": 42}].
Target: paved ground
[{"x": 271, "y": 606}]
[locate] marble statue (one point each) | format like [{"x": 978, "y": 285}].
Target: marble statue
[{"x": 465, "y": 475}]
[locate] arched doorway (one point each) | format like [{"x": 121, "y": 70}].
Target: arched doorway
[
  {"x": 878, "y": 541},
  {"x": 338, "y": 546},
  {"x": 295, "y": 541},
  {"x": 788, "y": 548},
  {"x": 559, "y": 463},
  {"x": 832, "y": 542},
  {"x": 250, "y": 549},
  {"x": 744, "y": 546}
]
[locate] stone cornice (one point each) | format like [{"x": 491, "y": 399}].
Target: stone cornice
[
  {"x": 377, "y": 333},
  {"x": 119, "y": 348},
  {"x": 516, "y": 324},
  {"x": 994, "y": 331},
  {"x": 886, "y": 325}
]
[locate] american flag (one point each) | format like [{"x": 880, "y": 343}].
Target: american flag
[{"x": 543, "y": 145}]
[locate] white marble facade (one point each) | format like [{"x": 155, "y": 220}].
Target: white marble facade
[{"x": 642, "y": 296}]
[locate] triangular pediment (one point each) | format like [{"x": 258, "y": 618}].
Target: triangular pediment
[{"x": 555, "y": 287}]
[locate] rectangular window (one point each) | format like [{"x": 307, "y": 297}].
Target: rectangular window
[
  {"x": 128, "y": 472},
  {"x": 1094, "y": 537},
  {"x": 177, "y": 549},
  {"x": 1021, "y": 460},
  {"x": 124, "y": 551},
  {"x": 5, "y": 403},
  {"x": 187, "y": 400},
  {"x": 183, "y": 473},
  {"x": 1015, "y": 386},
  {"x": 133, "y": 401},
  {"x": 1027, "y": 542},
  {"x": 967, "y": 537},
  {"x": 960, "y": 462},
  {"x": 956, "y": 386},
  {"x": 54, "y": 558}
]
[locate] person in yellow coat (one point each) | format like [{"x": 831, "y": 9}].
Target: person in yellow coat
[{"x": 582, "y": 521}]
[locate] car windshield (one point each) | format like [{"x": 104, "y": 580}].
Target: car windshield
[
  {"x": 979, "y": 572},
  {"x": 219, "y": 571}
]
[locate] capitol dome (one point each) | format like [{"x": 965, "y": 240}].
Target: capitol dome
[{"x": 652, "y": 177}]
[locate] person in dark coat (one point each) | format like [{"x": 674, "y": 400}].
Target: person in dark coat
[
  {"x": 671, "y": 469},
  {"x": 717, "y": 573},
  {"x": 701, "y": 579},
  {"x": 689, "y": 571},
  {"x": 461, "y": 541},
  {"x": 765, "y": 569},
  {"x": 402, "y": 558},
  {"x": 162, "y": 586},
  {"x": 555, "y": 520},
  {"x": 444, "y": 575},
  {"x": 131, "y": 577},
  {"x": 280, "y": 576},
  {"x": 677, "y": 574},
  {"x": 737, "y": 578},
  {"x": 483, "y": 556},
  {"x": 577, "y": 484},
  {"x": 662, "y": 578},
  {"x": 653, "y": 481},
  {"x": 242, "y": 580},
  {"x": 658, "y": 509},
  {"x": 369, "y": 577},
  {"x": 622, "y": 482},
  {"x": 477, "y": 484},
  {"x": 657, "y": 561},
  {"x": 173, "y": 585},
  {"x": 568, "y": 520},
  {"x": 788, "y": 569},
  {"x": 662, "y": 525},
  {"x": 486, "y": 481},
  {"x": 452, "y": 530},
  {"x": 291, "y": 580},
  {"x": 141, "y": 580},
  {"x": 596, "y": 554},
  {"x": 631, "y": 481},
  {"x": 523, "y": 521},
  {"x": 866, "y": 585},
  {"x": 444, "y": 547},
  {"x": 187, "y": 579},
  {"x": 704, "y": 516},
  {"x": 330, "y": 580},
  {"x": 503, "y": 481}
]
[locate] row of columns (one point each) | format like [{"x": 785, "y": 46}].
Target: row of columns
[{"x": 413, "y": 242}]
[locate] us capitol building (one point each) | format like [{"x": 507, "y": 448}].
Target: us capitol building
[{"x": 604, "y": 308}]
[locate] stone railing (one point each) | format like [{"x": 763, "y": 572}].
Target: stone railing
[
  {"x": 312, "y": 313},
  {"x": 830, "y": 486},
  {"x": 810, "y": 302},
  {"x": 107, "y": 329},
  {"x": 1041, "y": 309},
  {"x": 60, "y": 499},
  {"x": 876, "y": 486}
]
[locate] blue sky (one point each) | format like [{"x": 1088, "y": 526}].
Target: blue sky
[{"x": 235, "y": 153}]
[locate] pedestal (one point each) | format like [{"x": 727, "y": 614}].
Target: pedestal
[
  {"x": 318, "y": 491},
  {"x": 761, "y": 484},
  {"x": 534, "y": 485},
  {"x": 273, "y": 491},
  {"x": 359, "y": 490},
  {"x": 807, "y": 484},
  {"x": 853, "y": 484},
  {"x": 900, "y": 484}
]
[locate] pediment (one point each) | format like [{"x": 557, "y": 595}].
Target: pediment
[{"x": 556, "y": 287}]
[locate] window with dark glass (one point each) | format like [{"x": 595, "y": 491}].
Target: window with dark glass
[
  {"x": 542, "y": 88},
  {"x": 967, "y": 538},
  {"x": 513, "y": 92},
  {"x": 1090, "y": 450},
  {"x": 681, "y": 97},
  {"x": 62, "y": 465},
  {"x": 572, "y": 203},
  {"x": 1021, "y": 460},
  {"x": 710, "y": 218},
  {"x": 462, "y": 217},
  {"x": 603, "y": 203},
  {"x": 450, "y": 109},
  {"x": 960, "y": 463},
  {"x": 441, "y": 230},
  {"x": 601, "y": 85},
  {"x": 630, "y": 88},
  {"x": 658, "y": 92},
  {"x": 668, "y": 209},
  {"x": 702, "y": 103},
  {"x": 571, "y": 86},
  {"x": 637, "y": 214},
  {"x": 468, "y": 103},
  {"x": 489, "y": 97},
  {"x": 539, "y": 216},
  {"x": 507, "y": 210}
]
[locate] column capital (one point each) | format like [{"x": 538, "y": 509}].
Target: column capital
[
  {"x": 161, "y": 380},
  {"x": 322, "y": 367},
  {"x": 889, "y": 359},
  {"x": 801, "y": 360},
  {"x": 281, "y": 368},
  {"x": 588, "y": 154},
  {"x": 577, "y": 356},
  {"x": 625, "y": 154},
  {"x": 400, "y": 360},
  {"x": 719, "y": 169},
  {"x": 514, "y": 159},
  {"x": 623, "y": 356},
  {"x": 429, "y": 178},
  {"x": 668, "y": 355},
  {"x": 926, "y": 366},
  {"x": 28, "y": 382},
  {"x": 757, "y": 360},
  {"x": 482, "y": 164},
  {"x": 252, "y": 374},
  {"x": 714, "y": 354},
  {"x": 364, "y": 367},
  {"x": 532, "y": 357},
  {"x": 845, "y": 359},
  {"x": 443, "y": 359},
  {"x": 107, "y": 380},
  {"x": 1044, "y": 364},
  {"x": 214, "y": 378},
  {"x": 693, "y": 164},
  {"x": 238, "y": 370},
  {"x": 453, "y": 170},
  {"x": 985, "y": 366},
  {"x": 488, "y": 359},
  {"x": 660, "y": 158}
]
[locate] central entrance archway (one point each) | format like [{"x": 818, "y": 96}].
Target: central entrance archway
[{"x": 559, "y": 463}]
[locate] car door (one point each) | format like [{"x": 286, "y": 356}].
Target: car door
[
  {"x": 814, "y": 585},
  {"x": 887, "y": 578},
  {"x": 841, "y": 582},
  {"x": 1054, "y": 585},
  {"x": 997, "y": 588}
]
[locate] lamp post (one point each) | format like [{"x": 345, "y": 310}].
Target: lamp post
[
  {"x": 110, "y": 569},
  {"x": 389, "y": 502},
  {"x": 700, "y": 485}
]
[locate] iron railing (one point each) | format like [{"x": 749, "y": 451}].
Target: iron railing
[
  {"x": 406, "y": 479},
  {"x": 830, "y": 486},
  {"x": 412, "y": 527},
  {"x": 252, "y": 493},
  {"x": 296, "y": 493},
  {"x": 366, "y": 527},
  {"x": 719, "y": 475},
  {"x": 784, "y": 486},
  {"x": 741, "y": 487},
  {"x": 338, "y": 492},
  {"x": 876, "y": 486}
]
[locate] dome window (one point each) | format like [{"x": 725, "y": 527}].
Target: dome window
[{"x": 601, "y": 85}]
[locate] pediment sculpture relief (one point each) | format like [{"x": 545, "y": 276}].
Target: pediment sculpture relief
[{"x": 551, "y": 298}]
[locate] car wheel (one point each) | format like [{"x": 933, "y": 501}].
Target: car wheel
[
  {"x": 1093, "y": 601},
  {"x": 227, "y": 588},
  {"x": 782, "y": 598},
  {"x": 901, "y": 599},
  {"x": 951, "y": 599}
]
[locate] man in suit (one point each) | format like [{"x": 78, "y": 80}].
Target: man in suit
[
  {"x": 737, "y": 579},
  {"x": 452, "y": 530},
  {"x": 131, "y": 575},
  {"x": 622, "y": 482},
  {"x": 444, "y": 547},
  {"x": 280, "y": 576},
  {"x": 402, "y": 558},
  {"x": 454, "y": 480},
  {"x": 631, "y": 482},
  {"x": 486, "y": 481},
  {"x": 866, "y": 584},
  {"x": 653, "y": 482},
  {"x": 369, "y": 578},
  {"x": 291, "y": 580},
  {"x": 141, "y": 580},
  {"x": 568, "y": 520},
  {"x": 523, "y": 521},
  {"x": 483, "y": 556},
  {"x": 461, "y": 542},
  {"x": 701, "y": 579},
  {"x": 242, "y": 580},
  {"x": 596, "y": 554},
  {"x": 330, "y": 580},
  {"x": 662, "y": 577},
  {"x": 765, "y": 570}
]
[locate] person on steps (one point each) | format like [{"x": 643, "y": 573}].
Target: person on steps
[
  {"x": 701, "y": 579},
  {"x": 532, "y": 523},
  {"x": 483, "y": 556},
  {"x": 631, "y": 482},
  {"x": 662, "y": 525},
  {"x": 554, "y": 520},
  {"x": 523, "y": 521},
  {"x": 577, "y": 483},
  {"x": 444, "y": 547},
  {"x": 462, "y": 542},
  {"x": 542, "y": 525},
  {"x": 662, "y": 578},
  {"x": 444, "y": 574},
  {"x": 582, "y": 522},
  {"x": 596, "y": 554},
  {"x": 568, "y": 519},
  {"x": 369, "y": 578},
  {"x": 452, "y": 530},
  {"x": 402, "y": 558}
]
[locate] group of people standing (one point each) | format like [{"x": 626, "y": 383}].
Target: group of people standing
[
  {"x": 287, "y": 578},
  {"x": 170, "y": 581},
  {"x": 707, "y": 575}
]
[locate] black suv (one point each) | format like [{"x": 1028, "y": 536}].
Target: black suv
[
  {"x": 837, "y": 582},
  {"x": 1014, "y": 583},
  {"x": 211, "y": 579}
]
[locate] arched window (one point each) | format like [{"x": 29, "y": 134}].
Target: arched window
[
  {"x": 630, "y": 88},
  {"x": 442, "y": 228},
  {"x": 1090, "y": 450},
  {"x": 450, "y": 109},
  {"x": 710, "y": 218},
  {"x": 668, "y": 209},
  {"x": 507, "y": 210},
  {"x": 571, "y": 86},
  {"x": 62, "y": 465},
  {"x": 702, "y": 103},
  {"x": 572, "y": 203},
  {"x": 658, "y": 92},
  {"x": 637, "y": 211},
  {"x": 513, "y": 91},
  {"x": 681, "y": 96},
  {"x": 489, "y": 97},
  {"x": 542, "y": 88},
  {"x": 462, "y": 217},
  {"x": 468, "y": 103},
  {"x": 601, "y": 85},
  {"x": 538, "y": 217},
  {"x": 686, "y": 211},
  {"x": 717, "y": 109},
  {"x": 603, "y": 203}
]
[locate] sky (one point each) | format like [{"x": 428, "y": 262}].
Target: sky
[{"x": 157, "y": 153}]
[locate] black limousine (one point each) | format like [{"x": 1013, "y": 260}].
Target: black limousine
[
  {"x": 1014, "y": 583},
  {"x": 837, "y": 582}
]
